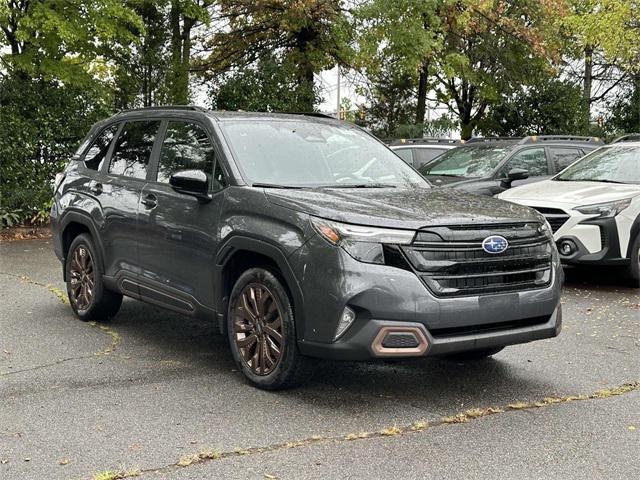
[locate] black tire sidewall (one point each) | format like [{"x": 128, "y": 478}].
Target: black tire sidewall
[
  {"x": 284, "y": 370},
  {"x": 98, "y": 288},
  {"x": 634, "y": 268}
]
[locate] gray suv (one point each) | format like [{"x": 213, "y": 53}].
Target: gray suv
[{"x": 303, "y": 237}]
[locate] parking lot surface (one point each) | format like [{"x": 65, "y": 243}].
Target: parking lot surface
[{"x": 156, "y": 395}]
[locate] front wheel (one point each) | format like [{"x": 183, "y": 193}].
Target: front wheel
[
  {"x": 262, "y": 335},
  {"x": 88, "y": 297}
]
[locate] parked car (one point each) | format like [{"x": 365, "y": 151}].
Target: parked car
[
  {"x": 301, "y": 237},
  {"x": 419, "y": 151},
  {"x": 488, "y": 166},
  {"x": 593, "y": 208}
]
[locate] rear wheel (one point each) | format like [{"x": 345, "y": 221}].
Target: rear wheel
[
  {"x": 472, "y": 355},
  {"x": 634, "y": 267},
  {"x": 88, "y": 298},
  {"x": 262, "y": 335}
]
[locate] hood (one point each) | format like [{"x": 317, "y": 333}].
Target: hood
[
  {"x": 571, "y": 193},
  {"x": 401, "y": 208}
]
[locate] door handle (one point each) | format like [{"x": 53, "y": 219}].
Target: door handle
[
  {"x": 95, "y": 188},
  {"x": 150, "y": 201}
]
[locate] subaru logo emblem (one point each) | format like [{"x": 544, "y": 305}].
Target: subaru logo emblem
[{"x": 495, "y": 244}]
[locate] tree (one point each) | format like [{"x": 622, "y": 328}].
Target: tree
[
  {"x": 624, "y": 110},
  {"x": 184, "y": 16},
  {"x": 406, "y": 32},
  {"x": 549, "y": 107},
  {"x": 606, "y": 34},
  {"x": 307, "y": 36},
  {"x": 260, "y": 88},
  {"x": 491, "y": 49}
]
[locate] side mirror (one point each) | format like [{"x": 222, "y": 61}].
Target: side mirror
[
  {"x": 191, "y": 182},
  {"x": 514, "y": 174}
]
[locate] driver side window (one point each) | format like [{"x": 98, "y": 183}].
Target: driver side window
[
  {"x": 186, "y": 146},
  {"x": 533, "y": 160}
]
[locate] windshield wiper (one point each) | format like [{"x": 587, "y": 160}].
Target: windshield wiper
[
  {"x": 359, "y": 185},
  {"x": 606, "y": 181},
  {"x": 273, "y": 185},
  {"x": 559, "y": 179}
]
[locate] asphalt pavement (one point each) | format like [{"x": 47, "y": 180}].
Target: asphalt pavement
[{"x": 155, "y": 395}]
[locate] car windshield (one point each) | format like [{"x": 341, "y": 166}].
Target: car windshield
[
  {"x": 468, "y": 162},
  {"x": 299, "y": 153},
  {"x": 618, "y": 164}
]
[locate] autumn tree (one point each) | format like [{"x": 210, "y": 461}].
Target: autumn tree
[{"x": 306, "y": 36}]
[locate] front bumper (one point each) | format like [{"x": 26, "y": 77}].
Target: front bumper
[
  {"x": 608, "y": 253},
  {"x": 388, "y": 297},
  {"x": 360, "y": 346}
]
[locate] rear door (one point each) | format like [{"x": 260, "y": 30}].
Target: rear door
[
  {"x": 124, "y": 177},
  {"x": 177, "y": 231},
  {"x": 423, "y": 155}
]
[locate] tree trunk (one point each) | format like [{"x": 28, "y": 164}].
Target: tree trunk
[
  {"x": 588, "y": 80},
  {"x": 422, "y": 93},
  {"x": 305, "y": 78},
  {"x": 180, "y": 53}
]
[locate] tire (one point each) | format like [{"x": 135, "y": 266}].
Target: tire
[
  {"x": 262, "y": 334},
  {"x": 634, "y": 267},
  {"x": 474, "y": 355},
  {"x": 88, "y": 297}
]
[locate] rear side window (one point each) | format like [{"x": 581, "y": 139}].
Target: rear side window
[
  {"x": 94, "y": 158},
  {"x": 425, "y": 155},
  {"x": 186, "y": 146},
  {"x": 563, "y": 157},
  {"x": 133, "y": 149}
]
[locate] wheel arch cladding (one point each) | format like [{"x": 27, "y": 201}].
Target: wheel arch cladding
[
  {"x": 241, "y": 253},
  {"x": 74, "y": 224}
]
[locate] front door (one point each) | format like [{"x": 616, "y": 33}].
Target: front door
[{"x": 177, "y": 231}]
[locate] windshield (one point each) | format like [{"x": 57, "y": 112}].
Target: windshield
[
  {"x": 468, "y": 162},
  {"x": 298, "y": 153},
  {"x": 619, "y": 164}
]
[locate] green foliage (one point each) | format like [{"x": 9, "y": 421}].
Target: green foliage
[
  {"x": 43, "y": 123},
  {"x": 307, "y": 37},
  {"x": 624, "y": 110},
  {"x": 549, "y": 107},
  {"x": 260, "y": 88}
]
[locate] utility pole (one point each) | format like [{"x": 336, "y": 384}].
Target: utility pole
[{"x": 338, "y": 93}]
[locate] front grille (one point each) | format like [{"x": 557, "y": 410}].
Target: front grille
[
  {"x": 554, "y": 216},
  {"x": 451, "y": 260}
]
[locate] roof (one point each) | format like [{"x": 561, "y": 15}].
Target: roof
[{"x": 225, "y": 115}]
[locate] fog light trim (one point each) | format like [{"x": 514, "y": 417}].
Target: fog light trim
[
  {"x": 346, "y": 320},
  {"x": 379, "y": 350}
]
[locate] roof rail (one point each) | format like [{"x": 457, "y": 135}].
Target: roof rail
[
  {"x": 560, "y": 138},
  {"x": 192, "y": 108},
  {"x": 492, "y": 139},
  {"x": 311, "y": 114},
  {"x": 421, "y": 141},
  {"x": 630, "y": 137}
]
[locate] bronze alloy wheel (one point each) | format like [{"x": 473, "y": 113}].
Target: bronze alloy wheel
[
  {"x": 82, "y": 278},
  {"x": 258, "y": 329}
]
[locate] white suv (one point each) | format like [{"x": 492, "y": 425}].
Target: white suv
[{"x": 593, "y": 207}]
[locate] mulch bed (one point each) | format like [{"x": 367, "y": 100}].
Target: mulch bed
[{"x": 14, "y": 234}]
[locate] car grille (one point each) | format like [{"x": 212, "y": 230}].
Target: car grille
[
  {"x": 451, "y": 261},
  {"x": 554, "y": 216}
]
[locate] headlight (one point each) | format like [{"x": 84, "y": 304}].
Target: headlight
[
  {"x": 362, "y": 243},
  {"x": 546, "y": 228},
  {"x": 605, "y": 210}
]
